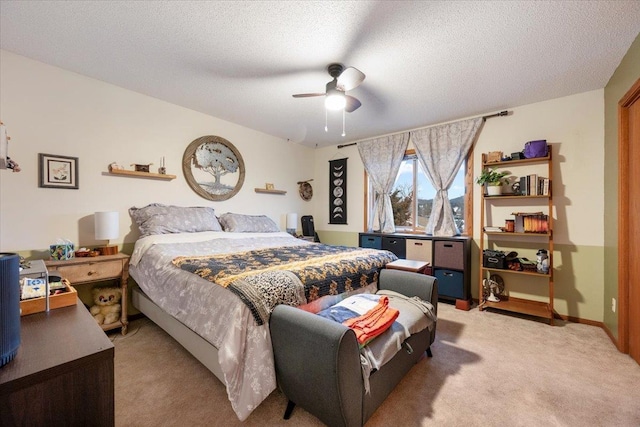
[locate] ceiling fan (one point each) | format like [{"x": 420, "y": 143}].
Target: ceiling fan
[{"x": 344, "y": 79}]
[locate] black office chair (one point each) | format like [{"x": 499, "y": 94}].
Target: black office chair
[{"x": 308, "y": 230}]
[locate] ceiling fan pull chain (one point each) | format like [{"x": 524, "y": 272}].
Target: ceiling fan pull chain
[
  {"x": 343, "y": 132},
  {"x": 326, "y": 129}
]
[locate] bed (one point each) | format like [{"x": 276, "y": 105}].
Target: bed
[{"x": 200, "y": 287}]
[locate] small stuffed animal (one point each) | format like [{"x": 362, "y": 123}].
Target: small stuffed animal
[{"x": 107, "y": 305}]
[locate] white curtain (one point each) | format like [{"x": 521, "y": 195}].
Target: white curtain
[
  {"x": 441, "y": 151},
  {"x": 382, "y": 158}
]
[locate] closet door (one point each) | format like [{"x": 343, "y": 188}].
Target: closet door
[{"x": 629, "y": 238}]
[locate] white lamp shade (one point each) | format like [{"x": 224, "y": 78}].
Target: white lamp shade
[
  {"x": 107, "y": 225},
  {"x": 292, "y": 221}
]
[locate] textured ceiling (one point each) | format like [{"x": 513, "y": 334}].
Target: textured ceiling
[{"x": 426, "y": 62}]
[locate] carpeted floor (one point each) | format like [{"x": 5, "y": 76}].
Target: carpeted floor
[{"x": 488, "y": 369}]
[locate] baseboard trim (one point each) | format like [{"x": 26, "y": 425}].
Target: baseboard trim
[
  {"x": 574, "y": 319},
  {"x": 592, "y": 323},
  {"x": 613, "y": 339}
]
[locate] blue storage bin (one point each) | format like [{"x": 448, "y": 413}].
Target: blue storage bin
[
  {"x": 373, "y": 242},
  {"x": 450, "y": 283}
]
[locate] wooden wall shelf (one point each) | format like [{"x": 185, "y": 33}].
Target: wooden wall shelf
[
  {"x": 149, "y": 175},
  {"x": 264, "y": 190}
]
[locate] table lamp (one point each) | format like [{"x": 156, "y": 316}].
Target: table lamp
[
  {"x": 107, "y": 227},
  {"x": 292, "y": 223}
]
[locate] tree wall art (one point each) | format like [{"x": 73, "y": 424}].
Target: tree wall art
[{"x": 213, "y": 168}]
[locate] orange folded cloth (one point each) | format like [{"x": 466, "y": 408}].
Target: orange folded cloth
[{"x": 373, "y": 322}]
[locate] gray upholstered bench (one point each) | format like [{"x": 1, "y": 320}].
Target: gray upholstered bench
[{"x": 318, "y": 361}]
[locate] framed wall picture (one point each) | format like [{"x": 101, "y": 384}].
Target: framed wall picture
[
  {"x": 213, "y": 168},
  {"x": 57, "y": 171}
]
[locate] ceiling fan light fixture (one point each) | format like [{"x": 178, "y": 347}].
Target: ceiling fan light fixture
[{"x": 335, "y": 100}]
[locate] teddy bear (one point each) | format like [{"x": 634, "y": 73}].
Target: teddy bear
[{"x": 107, "y": 305}]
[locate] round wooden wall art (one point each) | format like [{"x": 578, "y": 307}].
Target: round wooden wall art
[
  {"x": 213, "y": 168},
  {"x": 305, "y": 190}
]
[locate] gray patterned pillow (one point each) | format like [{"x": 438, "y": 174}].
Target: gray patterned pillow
[
  {"x": 157, "y": 218},
  {"x": 247, "y": 223}
]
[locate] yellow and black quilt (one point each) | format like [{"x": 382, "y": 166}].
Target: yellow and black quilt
[{"x": 292, "y": 275}]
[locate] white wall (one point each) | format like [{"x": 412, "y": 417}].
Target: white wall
[
  {"x": 575, "y": 125},
  {"x": 355, "y": 189},
  {"x": 53, "y": 111}
]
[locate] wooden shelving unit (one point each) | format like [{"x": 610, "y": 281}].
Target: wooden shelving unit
[
  {"x": 526, "y": 273},
  {"x": 542, "y": 309},
  {"x": 135, "y": 174},
  {"x": 501, "y": 233},
  {"x": 522, "y": 306},
  {"x": 264, "y": 190},
  {"x": 513, "y": 196}
]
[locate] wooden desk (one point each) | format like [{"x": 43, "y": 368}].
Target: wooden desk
[
  {"x": 97, "y": 269},
  {"x": 63, "y": 372}
]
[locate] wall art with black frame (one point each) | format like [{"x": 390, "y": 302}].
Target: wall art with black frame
[
  {"x": 57, "y": 171},
  {"x": 338, "y": 191}
]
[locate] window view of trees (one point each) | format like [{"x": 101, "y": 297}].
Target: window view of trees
[
  {"x": 402, "y": 201},
  {"x": 412, "y": 196}
]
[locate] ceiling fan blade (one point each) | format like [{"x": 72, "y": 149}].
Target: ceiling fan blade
[
  {"x": 307, "y": 95},
  {"x": 352, "y": 104},
  {"x": 350, "y": 78}
]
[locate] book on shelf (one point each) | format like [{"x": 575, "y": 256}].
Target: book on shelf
[
  {"x": 545, "y": 186},
  {"x": 524, "y": 191},
  {"x": 534, "y": 185},
  {"x": 531, "y": 222}
]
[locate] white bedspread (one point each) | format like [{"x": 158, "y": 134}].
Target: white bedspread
[{"x": 245, "y": 354}]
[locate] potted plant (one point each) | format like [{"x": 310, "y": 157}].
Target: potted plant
[{"x": 492, "y": 180}]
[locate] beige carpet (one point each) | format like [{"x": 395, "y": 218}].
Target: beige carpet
[{"x": 488, "y": 369}]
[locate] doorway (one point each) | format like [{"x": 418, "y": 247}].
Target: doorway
[{"x": 629, "y": 222}]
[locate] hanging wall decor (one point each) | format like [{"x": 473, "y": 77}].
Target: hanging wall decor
[
  {"x": 57, "y": 171},
  {"x": 213, "y": 168},
  {"x": 305, "y": 190},
  {"x": 338, "y": 191}
]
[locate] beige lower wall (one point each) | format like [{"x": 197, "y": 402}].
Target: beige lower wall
[{"x": 338, "y": 238}]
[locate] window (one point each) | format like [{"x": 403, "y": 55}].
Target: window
[{"x": 412, "y": 196}]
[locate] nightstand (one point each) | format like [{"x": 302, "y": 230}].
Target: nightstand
[{"x": 101, "y": 268}]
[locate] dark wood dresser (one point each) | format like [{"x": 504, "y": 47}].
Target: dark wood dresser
[{"x": 62, "y": 374}]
